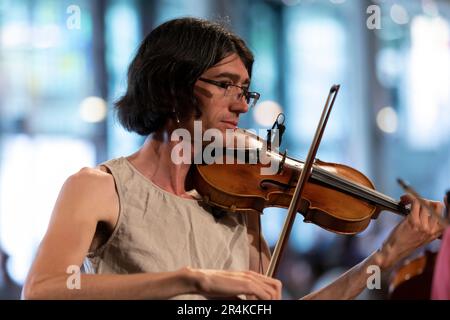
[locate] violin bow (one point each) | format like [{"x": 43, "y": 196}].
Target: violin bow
[{"x": 304, "y": 176}]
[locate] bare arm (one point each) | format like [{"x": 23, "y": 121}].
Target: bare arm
[
  {"x": 414, "y": 231},
  {"x": 350, "y": 284},
  {"x": 87, "y": 198}
]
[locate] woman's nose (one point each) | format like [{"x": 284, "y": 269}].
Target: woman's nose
[{"x": 239, "y": 104}]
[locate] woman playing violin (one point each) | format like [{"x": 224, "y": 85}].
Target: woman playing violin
[{"x": 135, "y": 223}]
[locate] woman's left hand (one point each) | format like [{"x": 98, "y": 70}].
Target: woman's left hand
[{"x": 418, "y": 228}]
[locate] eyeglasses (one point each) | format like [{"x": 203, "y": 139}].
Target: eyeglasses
[{"x": 237, "y": 91}]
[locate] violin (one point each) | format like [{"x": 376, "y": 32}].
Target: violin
[
  {"x": 413, "y": 280},
  {"x": 337, "y": 197}
]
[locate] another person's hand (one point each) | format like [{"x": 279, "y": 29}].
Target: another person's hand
[{"x": 418, "y": 228}]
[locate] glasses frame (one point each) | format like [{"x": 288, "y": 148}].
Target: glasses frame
[{"x": 244, "y": 90}]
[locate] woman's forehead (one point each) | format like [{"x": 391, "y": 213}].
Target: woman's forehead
[{"x": 230, "y": 67}]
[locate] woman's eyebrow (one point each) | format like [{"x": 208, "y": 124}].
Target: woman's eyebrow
[{"x": 232, "y": 76}]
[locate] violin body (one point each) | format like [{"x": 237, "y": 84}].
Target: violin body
[{"x": 242, "y": 188}]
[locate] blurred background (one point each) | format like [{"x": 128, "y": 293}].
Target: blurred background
[{"x": 64, "y": 63}]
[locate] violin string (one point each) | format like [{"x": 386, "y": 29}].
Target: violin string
[
  {"x": 356, "y": 190},
  {"x": 356, "y": 185},
  {"x": 349, "y": 186},
  {"x": 298, "y": 164}
]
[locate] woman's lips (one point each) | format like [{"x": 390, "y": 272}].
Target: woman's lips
[{"x": 231, "y": 123}]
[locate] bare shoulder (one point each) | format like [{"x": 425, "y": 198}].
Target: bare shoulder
[
  {"x": 91, "y": 190},
  {"x": 91, "y": 182},
  {"x": 87, "y": 175}
]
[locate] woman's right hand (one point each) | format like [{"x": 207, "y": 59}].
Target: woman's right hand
[{"x": 225, "y": 284}]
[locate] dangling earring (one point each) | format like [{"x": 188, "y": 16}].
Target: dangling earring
[{"x": 176, "y": 116}]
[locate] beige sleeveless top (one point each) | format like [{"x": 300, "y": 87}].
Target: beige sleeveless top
[{"x": 158, "y": 231}]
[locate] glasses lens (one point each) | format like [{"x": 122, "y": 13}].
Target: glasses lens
[
  {"x": 233, "y": 91},
  {"x": 252, "y": 98}
]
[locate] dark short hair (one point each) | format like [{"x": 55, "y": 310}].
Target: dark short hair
[{"x": 169, "y": 61}]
